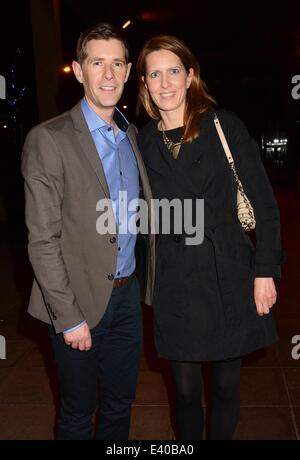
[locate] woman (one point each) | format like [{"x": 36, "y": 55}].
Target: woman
[{"x": 212, "y": 301}]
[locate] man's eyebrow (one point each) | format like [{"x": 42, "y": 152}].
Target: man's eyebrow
[{"x": 103, "y": 59}]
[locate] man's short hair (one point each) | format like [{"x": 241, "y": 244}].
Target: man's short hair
[{"x": 101, "y": 31}]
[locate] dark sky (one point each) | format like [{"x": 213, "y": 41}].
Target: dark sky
[
  {"x": 248, "y": 54},
  {"x": 248, "y": 51}
]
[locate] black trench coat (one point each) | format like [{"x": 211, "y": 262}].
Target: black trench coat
[{"x": 204, "y": 307}]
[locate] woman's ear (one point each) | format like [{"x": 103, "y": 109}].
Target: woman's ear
[
  {"x": 189, "y": 77},
  {"x": 143, "y": 80}
]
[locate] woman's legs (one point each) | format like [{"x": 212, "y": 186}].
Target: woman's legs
[
  {"x": 225, "y": 408},
  {"x": 189, "y": 412},
  {"x": 225, "y": 399}
]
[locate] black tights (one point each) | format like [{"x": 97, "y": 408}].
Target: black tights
[{"x": 225, "y": 405}]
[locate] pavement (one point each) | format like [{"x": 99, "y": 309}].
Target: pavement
[{"x": 29, "y": 396}]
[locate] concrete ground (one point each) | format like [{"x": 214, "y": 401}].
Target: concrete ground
[{"x": 270, "y": 382}]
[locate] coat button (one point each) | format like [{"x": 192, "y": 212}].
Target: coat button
[
  {"x": 112, "y": 239},
  {"x": 177, "y": 238},
  {"x": 110, "y": 277}
]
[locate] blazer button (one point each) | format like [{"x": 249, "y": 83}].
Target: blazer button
[
  {"x": 177, "y": 238},
  {"x": 110, "y": 277},
  {"x": 112, "y": 239}
]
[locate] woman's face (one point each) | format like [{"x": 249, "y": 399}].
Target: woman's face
[{"x": 167, "y": 80}]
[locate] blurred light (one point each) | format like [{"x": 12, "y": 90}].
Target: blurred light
[
  {"x": 5, "y": 126},
  {"x": 67, "y": 69},
  {"x": 124, "y": 106},
  {"x": 127, "y": 23},
  {"x": 277, "y": 142}
]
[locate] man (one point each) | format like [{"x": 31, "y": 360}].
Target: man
[{"x": 84, "y": 279}]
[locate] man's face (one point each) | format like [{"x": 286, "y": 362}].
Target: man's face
[{"x": 103, "y": 74}]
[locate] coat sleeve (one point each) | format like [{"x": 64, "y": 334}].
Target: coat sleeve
[
  {"x": 44, "y": 190},
  {"x": 256, "y": 184}
]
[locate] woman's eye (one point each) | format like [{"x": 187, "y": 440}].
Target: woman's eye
[
  {"x": 153, "y": 74},
  {"x": 174, "y": 71}
]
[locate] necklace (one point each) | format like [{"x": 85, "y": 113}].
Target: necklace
[{"x": 173, "y": 147}]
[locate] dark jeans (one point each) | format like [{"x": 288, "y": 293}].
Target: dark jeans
[{"x": 113, "y": 361}]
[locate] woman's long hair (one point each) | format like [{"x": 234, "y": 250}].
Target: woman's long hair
[{"x": 197, "y": 98}]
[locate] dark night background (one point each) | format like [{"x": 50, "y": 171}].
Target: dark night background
[{"x": 248, "y": 53}]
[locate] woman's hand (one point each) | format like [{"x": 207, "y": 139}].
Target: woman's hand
[{"x": 264, "y": 295}]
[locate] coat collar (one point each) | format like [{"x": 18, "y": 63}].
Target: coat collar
[{"x": 88, "y": 147}]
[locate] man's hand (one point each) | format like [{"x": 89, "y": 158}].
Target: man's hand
[
  {"x": 80, "y": 338},
  {"x": 264, "y": 295}
]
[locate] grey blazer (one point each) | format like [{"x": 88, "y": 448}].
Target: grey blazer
[{"x": 72, "y": 263}]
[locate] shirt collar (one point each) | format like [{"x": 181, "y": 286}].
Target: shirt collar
[{"x": 94, "y": 121}]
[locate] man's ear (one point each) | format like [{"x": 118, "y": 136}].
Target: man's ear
[
  {"x": 128, "y": 71},
  {"x": 77, "y": 71}
]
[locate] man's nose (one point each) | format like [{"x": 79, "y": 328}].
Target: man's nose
[{"x": 108, "y": 72}]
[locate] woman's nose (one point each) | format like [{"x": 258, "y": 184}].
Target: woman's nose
[{"x": 164, "y": 81}]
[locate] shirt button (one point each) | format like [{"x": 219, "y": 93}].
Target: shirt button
[
  {"x": 112, "y": 239},
  {"x": 120, "y": 173},
  {"x": 118, "y": 273},
  {"x": 110, "y": 277},
  {"x": 119, "y": 249},
  {"x": 109, "y": 129}
]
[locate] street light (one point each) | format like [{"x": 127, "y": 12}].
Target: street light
[
  {"x": 127, "y": 23},
  {"x": 67, "y": 69}
]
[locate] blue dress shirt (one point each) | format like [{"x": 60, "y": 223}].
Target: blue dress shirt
[{"x": 122, "y": 175}]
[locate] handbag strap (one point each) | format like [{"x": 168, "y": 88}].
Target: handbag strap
[
  {"x": 223, "y": 140},
  {"x": 229, "y": 157}
]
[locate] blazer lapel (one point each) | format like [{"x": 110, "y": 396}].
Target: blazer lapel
[
  {"x": 87, "y": 146},
  {"x": 131, "y": 134}
]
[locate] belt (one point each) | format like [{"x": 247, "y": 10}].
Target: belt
[{"x": 118, "y": 282}]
